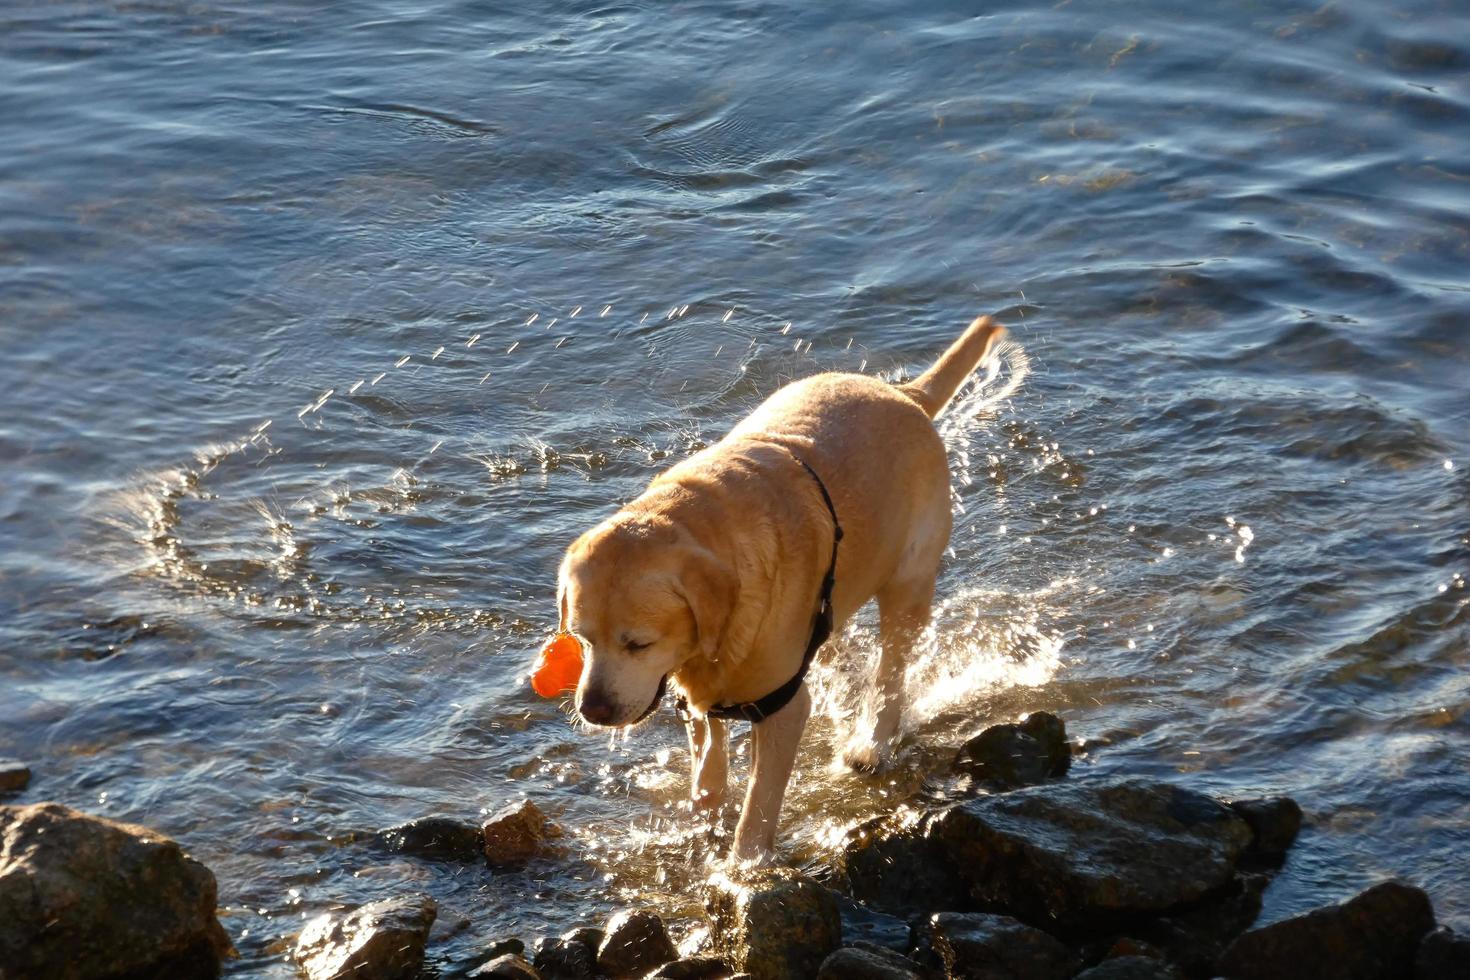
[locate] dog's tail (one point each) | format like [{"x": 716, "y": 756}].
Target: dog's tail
[{"x": 933, "y": 389}]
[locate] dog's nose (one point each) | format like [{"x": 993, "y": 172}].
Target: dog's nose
[{"x": 596, "y": 708}]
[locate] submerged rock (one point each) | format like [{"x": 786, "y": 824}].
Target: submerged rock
[
  {"x": 379, "y": 941},
  {"x": 1442, "y": 954},
  {"x": 1082, "y": 853},
  {"x": 1009, "y": 756},
  {"x": 1274, "y": 821},
  {"x": 507, "y": 966},
  {"x": 15, "y": 775},
  {"x": 1131, "y": 968},
  {"x": 775, "y": 923},
  {"x": 1373, "y": 936},
  {"x": 82, "y": 897},
  {"x": 433, "y": 837},
  {"x": 868, "y": 963},
  {"x": 516, "y": 833},
  {"x": 633, "y": 944},
  {"x": 997, "y": 947}
]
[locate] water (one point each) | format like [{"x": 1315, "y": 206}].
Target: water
[{"x": 1221, "y": 524}]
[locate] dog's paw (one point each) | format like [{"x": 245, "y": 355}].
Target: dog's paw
[{"x": 865, "y": 754}]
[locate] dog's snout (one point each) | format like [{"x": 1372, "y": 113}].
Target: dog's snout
[{"x": 595, "y": 707}]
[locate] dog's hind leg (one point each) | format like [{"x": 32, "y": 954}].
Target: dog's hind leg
[
  {"x": 709, "y": 759},
  {"x": 903, "y": 612}
]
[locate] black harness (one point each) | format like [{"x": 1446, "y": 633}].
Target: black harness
[{"x": 758, "y": 711}]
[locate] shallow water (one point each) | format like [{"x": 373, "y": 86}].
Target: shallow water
[{"x": 326, "y": 327}]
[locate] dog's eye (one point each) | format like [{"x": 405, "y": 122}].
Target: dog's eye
[{"x": 633, "y": 646}]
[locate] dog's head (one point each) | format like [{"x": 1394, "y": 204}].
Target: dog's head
[{"x": 644, "y": 598}]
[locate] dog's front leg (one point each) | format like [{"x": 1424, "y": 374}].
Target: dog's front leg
[
  {"x": 709, "y": 761},
  {"x": 775, "y": 742}
]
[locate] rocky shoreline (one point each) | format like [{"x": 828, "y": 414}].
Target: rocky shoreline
[{"x": 1024, "y": 875}]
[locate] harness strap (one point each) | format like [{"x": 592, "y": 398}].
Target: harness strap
[{"x": 758, "y": 711}]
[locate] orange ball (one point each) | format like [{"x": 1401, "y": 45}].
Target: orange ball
[{"x": 558, "y": 667}]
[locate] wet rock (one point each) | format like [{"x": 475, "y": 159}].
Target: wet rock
[
  {"x": 1194, "y": 937},
  {"x": 892, "y": 865},
  {"x": 633, "y": 944},
  {"x": 1371, "y": 936},
  {"x": 14, "y": 775},
  {"x": 775, "y": 923},
  {"x": 1442, "y": 954},
  {"x": 1008, "y": 756},
  {"x": 379, "y": 941},
  {"x": 997, "y": 947},
  {"x": 565, "y": 959},
  {"x": 693, "y": 968},
  {"x": 432, "y": 837},
  {"x": 1083, "y": 853},
  {"x": 82, "y": 897},
  {"x": 1131, "y": 968},
  {"x": 515, "y": 834},
  {"x": 1274, "y": 822},
  {"x": 868, "y": 963},
  {"x": 508, "y": 966}
]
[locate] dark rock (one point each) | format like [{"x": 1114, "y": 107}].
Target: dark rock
[
  {"x": 997, "y": 947},
  {"x": 1274, "y": 822},
  {"x": 1131, "y": 968},
  {"x": 1193, "y": 938},
  {"x": 379, "y": 941},
  {"x": 693, "y": 968},
  {"x": 1008, "y": 756},
  {"x": 862, "y": 926},
  {"x": 515, "y": 834},
  {"x": 1442, "y": 954},
  {"x": 1371, "y": 936},
  {"x": 433, "y": 837},
  {"x": 589, "y": 936},
  {"x": 1081, "y": 853},
  {"x": 15, "y": 775},
  {"x": 83, "y": 897},
  {"x": 510, "y": 966},
  {"x": 774, "y": 923},
  {"x": 501, "y": 947},
  {"x": 890, "y": 864},
  {"x": 633, "y": 944},
  {"x": 868, "y": 963},
  {"x": 565, "y": 959},
  {"x": 1128, "y": 946}
]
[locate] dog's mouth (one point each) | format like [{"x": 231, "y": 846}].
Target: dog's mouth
[{"x": 663, "y": 685}]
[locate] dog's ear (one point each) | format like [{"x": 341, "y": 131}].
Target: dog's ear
[{"x": 708, "y": 588}]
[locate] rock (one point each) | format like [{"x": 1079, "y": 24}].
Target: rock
[
  {"x": 565, "y": 959},
  {"x": 432, "y": 837},
  {"x": 382, "y": 940},
  {"x": 1008, "y": 756},
  {"x": 693, "y": 968},
  {"x": 1274, "y": 822},
  {"x": 509, "y": 966},
  {"x": 868, "y": 963},
  {"x": 997, "y": 947},
  {"x": 1373, "y": 935},
  {"x": 1082, "y": 853},
  {"x": 15, "y": 775},
  {"x": 890, "y": 864},
  {"x": 82, "y": 897},
  {"x": 775, "y": 923},
  {"x": 515, "y": 834},
  {"x": 1193, "y": 938},
  {"x": 1442, "y": 954},
  {"x": 1131, "y": 968},
  {"x": 633, "y": 944}
]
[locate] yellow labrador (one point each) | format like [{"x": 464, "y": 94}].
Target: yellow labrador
[{"x": 730, "y": 570}]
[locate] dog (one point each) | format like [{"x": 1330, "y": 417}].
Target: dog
[{"x": 724, "y": 577}]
